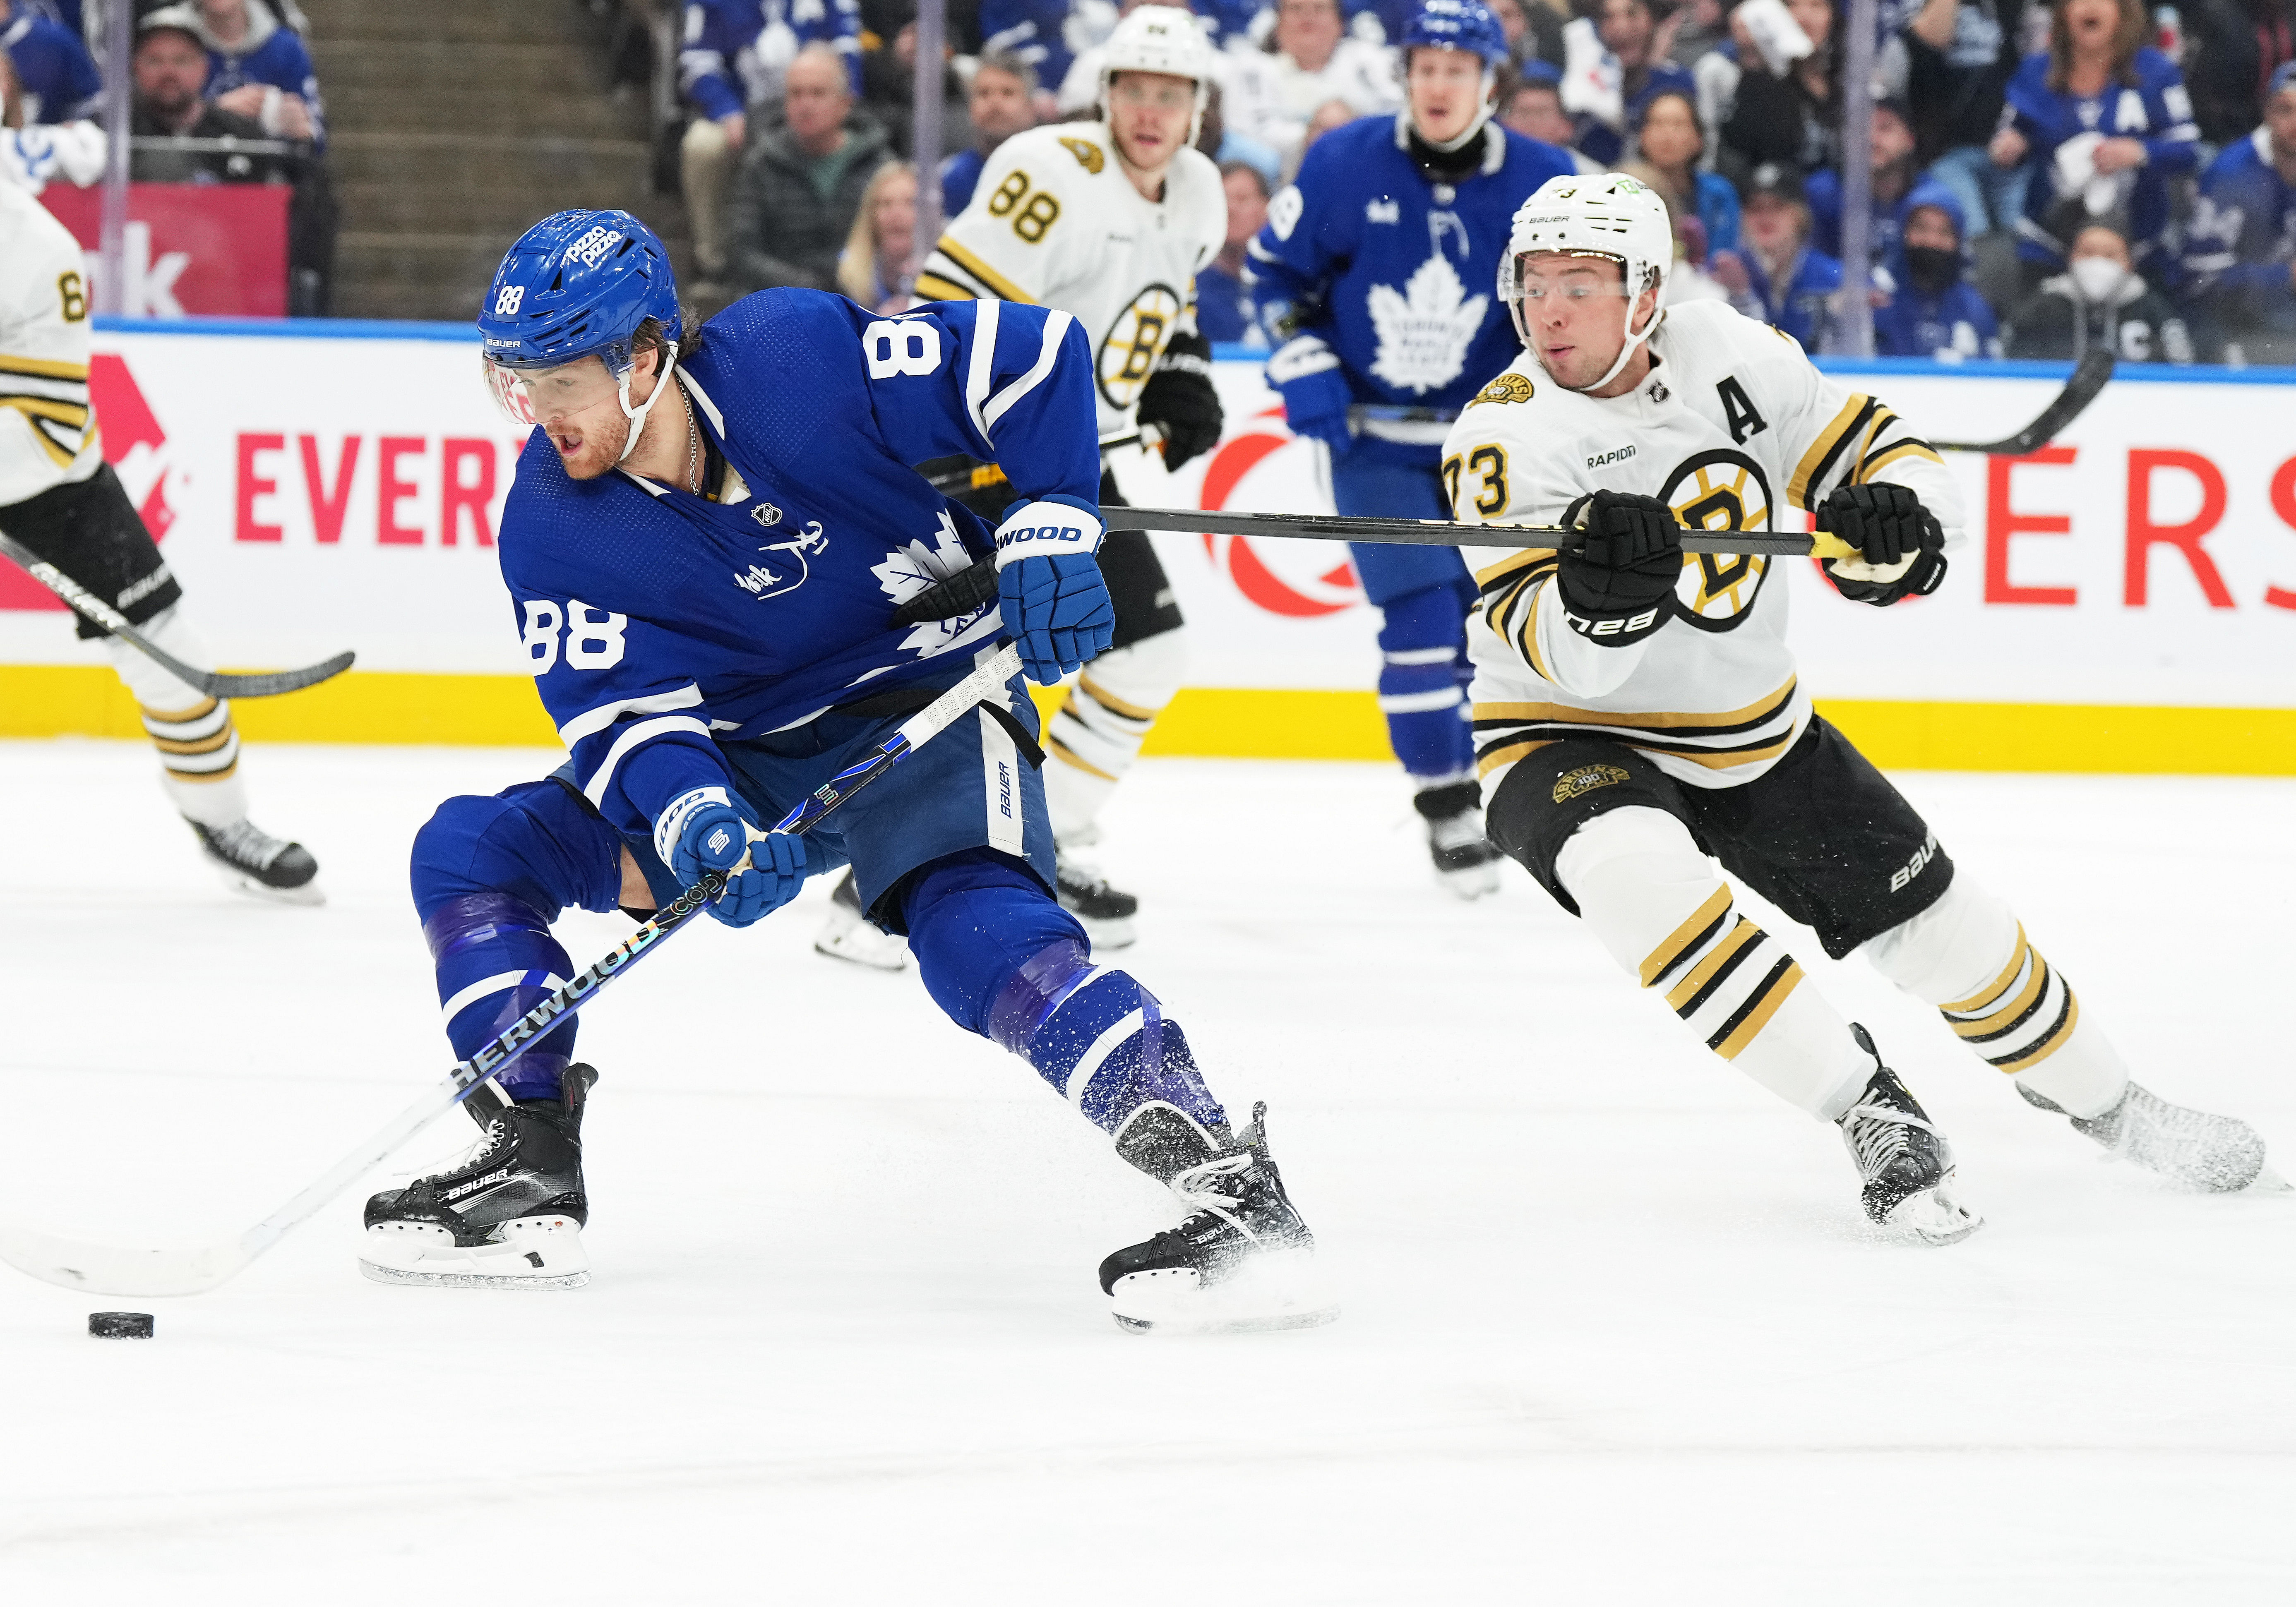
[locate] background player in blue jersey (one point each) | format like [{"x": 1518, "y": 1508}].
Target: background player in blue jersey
[
  {"x": 704, "y": 574},
  {"x": 1375, "y": 273}
]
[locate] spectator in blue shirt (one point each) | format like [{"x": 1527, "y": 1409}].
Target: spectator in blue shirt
[
  {"x": 1225, "y": 310},
  {"x": 1629, "y": 35},
  {"x": 259, "y": 68},
  {"x": 1890, "y": 150},
  {"x": 55, "y": 75},
  {"x": 1935, "y": 312},
  {"x": 2100, "y": 118},
  {"x": 2240, "y": 256},
  {"x": 1045, "y": 34},
  {"x": 1001, "y": 103},
  {"x": 1671, "y": 143},
  {"x": 734, "y": 56},
  {"x": 1777, "y": 277}
]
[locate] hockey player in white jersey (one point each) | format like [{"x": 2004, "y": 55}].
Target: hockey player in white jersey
[
  {"x": 60, "y": 498},
  {"x": 1108, "y": 221},
  {"x": 1636, "y": 710}
]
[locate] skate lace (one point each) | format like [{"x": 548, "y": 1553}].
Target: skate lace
[
  {"x": 495, "y": 1137},
  {"x": 1880, "y": 1137},
  {"x": 1201, "y": 1189},
  {"x": 244, "y": 843}
]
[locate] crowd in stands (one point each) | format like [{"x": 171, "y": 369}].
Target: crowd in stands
[
  {"x": 223, "y": 92},
  {"x": 2047, "y": 175}
]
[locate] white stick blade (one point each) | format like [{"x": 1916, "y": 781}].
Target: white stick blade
[{"x": 115, "y": 1268}]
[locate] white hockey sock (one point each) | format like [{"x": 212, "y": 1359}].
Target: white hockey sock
[
  {"x": 198, "y": 742},
  {"x": 1095, "y": 734},
  {"x": 1657, "y": 905},
  {"x": 1967, "y": 954}
]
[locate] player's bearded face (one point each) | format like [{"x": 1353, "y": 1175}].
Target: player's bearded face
[
  {"x": 1575, "y": 308},
  {"x": 1148, "y": 113},
  {"x": 579, "y": 407},
  {"x": 1447, "y": 89}
]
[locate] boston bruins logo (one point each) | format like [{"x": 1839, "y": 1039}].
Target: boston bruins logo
[
  {"x": 1719, "y": 491},
  {"x": 1134, "y": 340}
]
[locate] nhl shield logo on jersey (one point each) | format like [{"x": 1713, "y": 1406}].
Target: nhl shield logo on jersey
[
  {"x": 1127, "y": 357},
  {"x": 1585, "y": 779},
  {"x": 1721, "y": 489},
  {"x": 1509, "y": 386},
  {"x": 1424, "y": 332},
  {"x": 767, "y": 514}
]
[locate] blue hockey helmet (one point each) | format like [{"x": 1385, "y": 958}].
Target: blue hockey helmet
[
  {"x": 1456, "y": 25},
  {"x": 577, "y": 284}
]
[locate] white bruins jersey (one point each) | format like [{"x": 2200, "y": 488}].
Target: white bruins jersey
[
  {"x": 47, "y": 429},
  {"x": 1054, "y": 221},
  {"x": 1731, "y": 427}
]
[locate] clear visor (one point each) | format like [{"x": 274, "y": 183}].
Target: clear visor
[
  {"x": 1568, "y": 279},
  {"x": 529, "y": 397}
]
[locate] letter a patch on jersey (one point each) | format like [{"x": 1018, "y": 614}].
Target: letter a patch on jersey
[
  {"x": 1425, "y": 332},
  {"x": 1738, "y": 408}
]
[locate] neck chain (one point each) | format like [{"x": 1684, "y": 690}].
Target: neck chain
[{"x": 692, "y": 452}]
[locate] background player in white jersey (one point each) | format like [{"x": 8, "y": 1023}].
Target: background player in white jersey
[
  {"x": 1108, "y": 221},
  {"x": 1637, "y": 710},
  {"x": 60, "y": 498}
]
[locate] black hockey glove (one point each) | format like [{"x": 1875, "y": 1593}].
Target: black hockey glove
[
  {"x": 1902, "y": 544},
  {"x": 1618, "y": 580},
  {"x": 1179, "y": 400}
]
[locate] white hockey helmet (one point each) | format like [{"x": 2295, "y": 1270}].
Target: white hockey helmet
[
  {"x": 1160, "y": 38},
  {"x": 1594, "y": 215}
]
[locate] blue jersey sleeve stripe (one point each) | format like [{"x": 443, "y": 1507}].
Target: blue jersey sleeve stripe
[
  {"x": 632, "y": 736},
  {"x": 983, "y": 368},
  {"x": 1056, "y": 326},
  {"x": 592, "y": 721}
]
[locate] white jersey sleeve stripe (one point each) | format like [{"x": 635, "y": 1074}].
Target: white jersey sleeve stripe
[
  {"x": 984, "y": 365},
  {"x": 590, "y": 722},
  {"x": 1056, "y": 327},
  {"x": 644, "y": 731}
]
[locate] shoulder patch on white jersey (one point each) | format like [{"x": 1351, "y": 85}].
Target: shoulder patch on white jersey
[
  {"x": 1089, "y": 156},
  {"x": 1509, "y": 386}
]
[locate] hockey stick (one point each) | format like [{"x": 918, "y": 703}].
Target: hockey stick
[
  {"x": 968, "y": 589},
  {"x": 980, "y": 477},
  {"x": 206, "y": 681},
  {"x": 2089, "y": 376},
  {"x": 137, "y": 1270}
]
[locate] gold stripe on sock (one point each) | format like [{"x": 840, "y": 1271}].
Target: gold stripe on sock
[
  {"x": 1666, "y": 953},
  {"x": 1993, "y": 990},
  {"x": 1751, "y": 1024}
]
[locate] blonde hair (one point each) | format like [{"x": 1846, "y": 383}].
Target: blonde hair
[{"x": 857, "y": 264}]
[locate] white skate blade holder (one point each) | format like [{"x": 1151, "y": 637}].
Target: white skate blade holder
[
  {"x": 1933, "y": 1217},
  {"x": 1274, "y": 1290},
  {"x": 528, "y": 1252}
]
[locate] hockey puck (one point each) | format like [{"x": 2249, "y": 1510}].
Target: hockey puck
[{"x": 119, "y": 1324}]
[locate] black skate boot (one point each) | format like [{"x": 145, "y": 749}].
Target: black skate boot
[
  {"x": 846, "y": 933},
  {"x": 1104, "y": 913},
  {"x": 2218, "y": 1154},
  {"x": 1241, "y": 1262},
  {"x": 510, "y": 1216},
  {"x": 1906, "y": 1162},
  {"x": 1465, "y": 861},
  {"x": 256, "y": 863}
]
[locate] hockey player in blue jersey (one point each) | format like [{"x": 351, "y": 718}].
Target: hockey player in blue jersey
[
  {"x": 703, "y": 574},
  {"x": 1376, "y": 274}
]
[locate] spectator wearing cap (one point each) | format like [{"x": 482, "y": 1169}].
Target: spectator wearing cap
[
  {"x": 259, "y": 68},
  {"x": 733, "y": 57},
  {"x": 1777, "y": 277},
  {"x": 1934, "y": 311},
  {"x": 1532, "y": 107},
  {"x": 56, "y": 76},
  {"x": 1889, "y": 146},
  {"x": 2239, "y": 267},
  {"x": 1791, "y": 114},
  {"x": 1001, "y": 102},
  {"x": 2101, "y": 117},
  {"x": 2099, "y": 301},
  {"x": 800, "y": 186},
  {"x": 1960, "y": 55},
  {"x": 1670, "y": 141},
  {"x": 1226, "y": 311},
  {"x": 1615, "y": 69}
]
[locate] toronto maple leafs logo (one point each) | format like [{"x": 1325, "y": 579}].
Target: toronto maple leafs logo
[
  {"x": 1425, "y": 332},
  {"x": 912, "y": 568}
]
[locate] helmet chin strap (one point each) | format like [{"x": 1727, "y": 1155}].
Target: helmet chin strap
[
  {"x": 637, "y": 414},
  {"x": 1658, "y": 315}
]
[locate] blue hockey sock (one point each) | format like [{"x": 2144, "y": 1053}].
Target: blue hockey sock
[
  {"x": 1423, "y": 676},
  {"x": 1002, "y": 958},
  {"x": 496, "y": 960}
]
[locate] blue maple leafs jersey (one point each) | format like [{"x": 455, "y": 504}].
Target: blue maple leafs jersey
[
  {"x": 1400, "y": 274},
  {"x": 656, "y": 622}
]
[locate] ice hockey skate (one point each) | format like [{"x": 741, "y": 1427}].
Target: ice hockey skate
[
  {"x": 1242, "y": 1261},
  {"x": 2216, "y": 1153},
  {"x": 1103, "y": 911},
  {"x": 510, "y": 1216},
  {"x": 253, "y": 862},
  {"x": 1466, "y": 861},
  {"x": 848, "y": 934},
  {"x": 1905, "y": 1161}
]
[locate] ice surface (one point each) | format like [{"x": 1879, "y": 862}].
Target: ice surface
[{"x": 1613, "y": 1330}]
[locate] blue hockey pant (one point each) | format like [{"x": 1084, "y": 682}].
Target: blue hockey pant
[{"x": 1423, "y": 594}]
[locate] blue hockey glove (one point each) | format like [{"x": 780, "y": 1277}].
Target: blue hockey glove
[
  {"x": 705, "y": 830},
  {"x": 1306, "y": 373},
  {"x": 1049, "y": 589}
]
